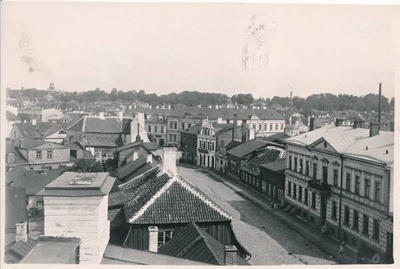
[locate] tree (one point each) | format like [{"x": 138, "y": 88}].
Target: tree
[{"x": 85, "y": 165}]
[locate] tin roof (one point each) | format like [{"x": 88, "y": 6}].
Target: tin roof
[{"x": 72, "y": 184}]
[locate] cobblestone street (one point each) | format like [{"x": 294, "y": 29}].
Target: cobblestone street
[{"x": 269, "y": 240}]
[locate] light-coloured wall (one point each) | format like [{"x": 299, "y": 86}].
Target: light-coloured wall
[
  {"x": 59, "y": 156},
  {"x": 81, "y": 217}
]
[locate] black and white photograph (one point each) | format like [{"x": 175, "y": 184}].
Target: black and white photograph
[{"x": 198, "y": 134}]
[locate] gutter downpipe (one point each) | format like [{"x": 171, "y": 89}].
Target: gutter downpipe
[{"x": 340, "y": 197}]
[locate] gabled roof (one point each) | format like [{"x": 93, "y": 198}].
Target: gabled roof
[
  {"x": 18, "y": 250},
  {"x": 171, "y": 200},
  {"x": 31, "y": 144},
  {"x": 32, "y": 181},
  {"x": 193, "y": 243},
  {"x": 350, "y": 141},
  {"x": 40, "y": 129},
  {"x": 11, "y": 116},
  {"x": 246, "y": 148},
  {"x": 267, "y": 155},
  {"x": 107, "y": 125},
  {"x": 193, "y": 130},
  {"x": 10, "y": 148},
  {"x": 131, "y": 167}
]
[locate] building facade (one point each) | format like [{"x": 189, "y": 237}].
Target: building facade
[{"x": 340, "y": 178}]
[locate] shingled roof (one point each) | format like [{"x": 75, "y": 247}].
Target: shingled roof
[
  {"x": 267, "y": 155},
  {"x": 193, "y": 243},
  {"x": 165, "y": 200},
  {"x": 28, "y": 130},
  {"x": 131, "y": 167},
  {"x": 246, "y": 148},
  {"x": 107, "y": 125}
]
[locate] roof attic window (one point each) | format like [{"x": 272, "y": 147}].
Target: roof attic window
[{"x": 82, "y": 180}]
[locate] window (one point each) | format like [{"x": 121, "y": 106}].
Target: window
[
  {"x": 378, "y": 191},
  {"x": 281, "y": 126},
  {"x": 348, "y": 181},
  {"x": 367, "y": 188},
  {"x": 375, "y": 234},
  {"x": 270, "y": 127},
  {"x": 307, "y": 168},
  {"x": 259, "y": 127},
  {"x": 164, "y": 237},
  {"x": 290, "y": 162},
  {"x": 313, "y": 199},
  {"x": 189, "y": 125},
  {"x": 49, "y": 154},
  {"x": 355, "y": 220},
  {"x": 183, "y": 126},
  {"x": 295, "y": 164},
  {"x": 265, "y": 127},
  {"x": 149, "y": 129},
  {"x": 175, "y": 125},
  {"x": 162, "y": 129},
  {"x": 294, "y": 191},
  {"x": 254, "y": 126},
  {"x": 306, "y": 196},
  {"x": 365, "y": 224},
  {"x": 289, "y": 188},
  {"x": 38, "y": 154},
  {"x": 301, "y": 166},
  {"x": 276, "y": 126},
  {"x": 346, "y": 216},
  {"x": 315, "y": 170},
  {"x": 171, "y": 125},
  {"x": 334, "y": 210},
  {"x": 155, "y": 128},
  {"x": 357, "y": 189},
  {"x": 300, "y": 193},
  {"x": 325, "y": 174}
]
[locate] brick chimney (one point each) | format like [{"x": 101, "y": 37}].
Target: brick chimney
[
  {"x": 230, "y": 257},
  {"x": 358, "y": 123},
  {"x": 21, "y": 231},
  {"x": 153, "y": 238},
  {"x": 235, "y": 123},
  {"x": 76, "y": 205},
  {"x": 374, "y": 129},
  {"x": 312, "y": 124},
  {"x": 169, "y": 161},
  {"x": 339, "y": 122},
  {"x": 244, "y": 131}
]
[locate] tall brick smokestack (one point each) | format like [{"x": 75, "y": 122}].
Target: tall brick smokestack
[{"x": 379, "y": 103}]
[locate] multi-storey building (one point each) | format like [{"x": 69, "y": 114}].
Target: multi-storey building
[
  {"x": 156, "y": 127},
  {"x": 189, "y": 144},
  {"x": 341, "y": 179}
]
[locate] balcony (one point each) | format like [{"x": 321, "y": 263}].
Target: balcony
[{"x": 319, "y": 186}]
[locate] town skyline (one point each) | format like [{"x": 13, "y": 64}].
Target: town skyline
[{"x": 172, "y": 48}]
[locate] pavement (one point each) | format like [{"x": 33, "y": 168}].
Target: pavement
[{"x": 326, "y": 243}]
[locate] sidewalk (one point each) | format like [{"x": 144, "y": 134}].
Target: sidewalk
[{"x": 327, "y": 244}]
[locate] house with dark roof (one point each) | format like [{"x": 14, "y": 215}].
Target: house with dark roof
[
  {"x": 78, "y": 152},
  {"x": 189, "y": 144},
  {"x": 32, "y": 181},
  {"x": 130, "y": 152},
  {"x": 194, "y": 243},
  {"x": 250, "y": 171},
  {"x": 36, "y": 154},
  {"x": 47, "y": 131},
  {"x": 272, "y": 178},
  {"x": 239, "y": 155},
  {"x": 168, "y": 202}
]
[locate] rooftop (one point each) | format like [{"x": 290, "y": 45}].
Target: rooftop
[
  {"x": 72, "y": 184},
  {"x": 108, "y": 125},
  {"x": 246, "y": 148}
]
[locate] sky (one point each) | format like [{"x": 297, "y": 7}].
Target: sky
[{"x": 164, "y": 48}]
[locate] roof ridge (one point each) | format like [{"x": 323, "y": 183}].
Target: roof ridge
[
  {"x": 207, "y": 201},
  {"x": 84, "y": 124},
  {"x": 141, "y": 211}
]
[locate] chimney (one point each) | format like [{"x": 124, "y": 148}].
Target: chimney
[
  {"x": 374, "y": 129},
  {"x": 230, "y": 255},
  {"x": 235, "y": 123},
  {"x": 120, "y": 115},
  {"x": 339, "y": 122},
  {"x": 216, "y": 106},
  {"x": 290, "y": 119},
  {"x": 76, "y": 205},
  {"x": 169, "y": 106},
  {"x": 296, "y": 124},
  {"x": 358, "y": 123},
  {"x": 219, "y": 120},
  {"x": 21, "y": 231},
  {"x": 169, "y": 160},
  {"x": 153, "y": 238},
  {"x": 392, "y": 126},
  {"x": 312, "y": 124},
  {"x": 138, "y": 132},
  {"x": 101, "y": 115},
  {"x": 244, "y": 131},
  {"x": 150, "y": 158},
  {"x": 130, "y": 107},
  {"x": 33, "y": 122},
  {"x": 250, "y": 134},
  {"x": 379, "y": 103},
  {"x": 135, "y": 155}
]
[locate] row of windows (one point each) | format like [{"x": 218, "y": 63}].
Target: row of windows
[
  {"x": 297, "y": 165},
  {"x": 172, "y": 137},
  {"x": 299, "y": 195},
  {"x": 39, "y": 154},
  {"x": 184, "y": 126},
  {"x": 155, "y": 129},
  {"x": 208, "y": 145},
  {"x": 356, "y": 220},
  {"x": 265, "y": 127}
]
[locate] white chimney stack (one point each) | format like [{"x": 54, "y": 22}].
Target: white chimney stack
[
  {"x": 135, "y": 155},
  {"x": 150, "y": 158},
  {"x": 250, "y": 134},
  {"x": 101, "y": 115},
  {"x": 21, "y": 231},
  {"x": 153, "y": 238},
  {"x": 33, "y": 121},
  {"x": 230, "y": 257},
  {"x": 169, "y": 160},
  {"x": 120, "y": 115}
]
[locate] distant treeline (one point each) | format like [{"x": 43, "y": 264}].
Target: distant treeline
[{"x": 321, "y": 102}]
